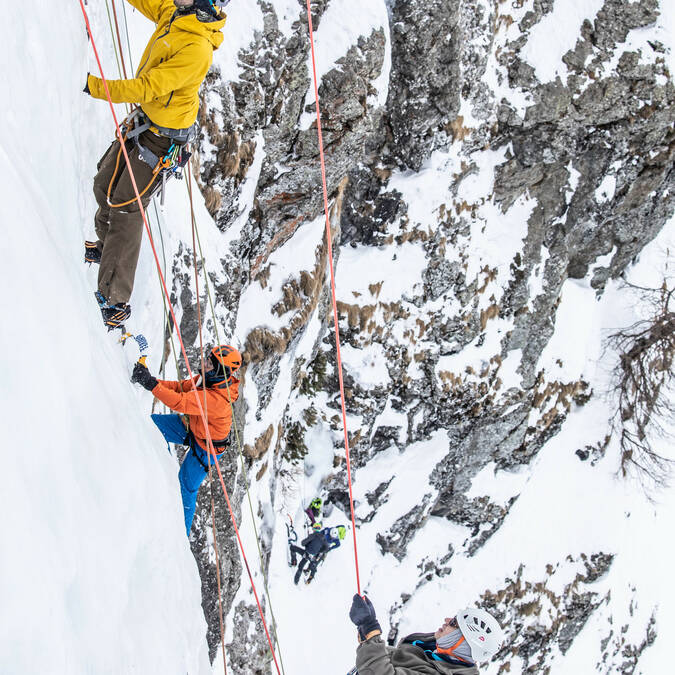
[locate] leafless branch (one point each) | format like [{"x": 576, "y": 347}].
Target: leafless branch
[{"x": 644, "y": 381}]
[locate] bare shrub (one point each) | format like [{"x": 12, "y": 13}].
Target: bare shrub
[
  {"x": 296, "y": 449},
  {"x": 643, "y": 382}
]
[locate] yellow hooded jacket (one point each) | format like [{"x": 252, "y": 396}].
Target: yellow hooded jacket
[{"x": 173, "y": 66}]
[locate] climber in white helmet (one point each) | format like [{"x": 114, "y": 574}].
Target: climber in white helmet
[{"x": 469, "y": 637}]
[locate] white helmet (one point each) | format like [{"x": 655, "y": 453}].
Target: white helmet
[{"x": 481, "y": 630}]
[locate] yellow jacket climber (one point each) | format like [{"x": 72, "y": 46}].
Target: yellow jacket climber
[
  {"x": 171, "y": 70},
  {"x": 174, "y": 63}
]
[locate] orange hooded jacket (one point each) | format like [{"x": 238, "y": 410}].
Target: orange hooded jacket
[{"x": 217, "y": 406}]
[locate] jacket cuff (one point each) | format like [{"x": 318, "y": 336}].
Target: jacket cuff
[{"x": 94, "y": 83}]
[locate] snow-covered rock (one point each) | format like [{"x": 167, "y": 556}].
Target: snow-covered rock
[{"x": 494, "y": 171}]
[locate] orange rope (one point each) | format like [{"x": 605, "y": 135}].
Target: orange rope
[
  {"x": 332, "y": 289},
  {"x": 178, "y": 333}
]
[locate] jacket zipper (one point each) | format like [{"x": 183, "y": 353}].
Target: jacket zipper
[{"x": 138, "y": 71}]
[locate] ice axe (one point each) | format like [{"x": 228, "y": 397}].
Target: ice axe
[{"x": 141, "y": 342}]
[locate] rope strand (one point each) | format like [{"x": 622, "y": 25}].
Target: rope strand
[
  {"x": 119, "y": 39},
  {"x": 206, "y": 411},
  {"x": 180, "y": 338},
  {"x": 188, "y": 184},
  {"x": 332, "y": 290}
]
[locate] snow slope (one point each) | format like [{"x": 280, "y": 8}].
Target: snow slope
[{"x": 96, "y": 575}]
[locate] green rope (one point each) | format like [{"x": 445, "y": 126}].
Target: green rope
[
  {"x": 126, "y": 30},
  {"x": 236, "y": 432},
  {"x": 167, "y": 325},
  {"x": 114, "y": 39}
]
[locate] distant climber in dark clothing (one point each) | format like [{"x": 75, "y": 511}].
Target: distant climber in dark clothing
[{"x": 315, "y": 548}]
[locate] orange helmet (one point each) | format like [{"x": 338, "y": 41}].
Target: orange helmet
[{"x": 225, "y": 358}]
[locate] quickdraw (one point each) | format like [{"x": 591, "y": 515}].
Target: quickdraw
[{"x": 168, "y": 165}]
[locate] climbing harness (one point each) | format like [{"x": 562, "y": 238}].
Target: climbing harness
[
  {"x": 167, "y": 166},
  {"x": 192, "y": 441},
  {"x": 178, "y": 333},
  {"x": 179, "y": 136}
]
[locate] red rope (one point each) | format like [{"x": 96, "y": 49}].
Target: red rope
[
  {"x": 178, "y": 333},
  {"x": 201, "y": 343},
  {"x": 332, "y": 290}
]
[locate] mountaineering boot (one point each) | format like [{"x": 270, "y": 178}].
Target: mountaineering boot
[
  {"x": 114, "y": 316},
  {"x": 91, "y": 252}
]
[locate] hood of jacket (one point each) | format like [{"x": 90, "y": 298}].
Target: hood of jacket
[
  {"x": 376, "y": 658},
  {"x": 430, "y": 639},
  {"x": 211, "y": 30}
]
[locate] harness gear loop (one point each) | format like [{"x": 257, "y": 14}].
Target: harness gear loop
[{"x": 167, "y": 165}]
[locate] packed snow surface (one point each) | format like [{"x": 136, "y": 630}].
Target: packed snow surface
[
  {"x": 96, "y": 575},
  {"x": 343, "y": 23}
]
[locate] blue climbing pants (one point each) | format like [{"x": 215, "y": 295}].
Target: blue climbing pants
[{"x": 194, "y": 468}]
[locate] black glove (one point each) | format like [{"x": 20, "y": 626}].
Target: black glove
[
  {"x": 362, "y": 614},
  {"x": 86, "y": 86},
  {"x": 142, "y": 375}
]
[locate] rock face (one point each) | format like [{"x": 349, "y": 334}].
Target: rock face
[
  {"x": 424, "y": 86},
  {"x": 527, "y": 184}
]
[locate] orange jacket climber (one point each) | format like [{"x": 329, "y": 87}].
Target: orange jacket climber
[
  {"x": 215, "y": 399},
  {"x": 217, "y": 392}
]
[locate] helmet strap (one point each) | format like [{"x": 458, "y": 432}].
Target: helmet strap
[{"x": 450, "y": 651}]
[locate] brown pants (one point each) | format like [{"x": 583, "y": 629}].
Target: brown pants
[{"x": 120, "y": 230}]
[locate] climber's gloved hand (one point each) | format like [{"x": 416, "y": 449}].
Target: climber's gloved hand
[
  {"x": 362, "y": 614},
  {"x": 86, "y": 86},
  {"x": 142, "y": 376}
]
